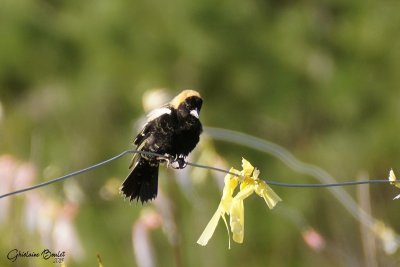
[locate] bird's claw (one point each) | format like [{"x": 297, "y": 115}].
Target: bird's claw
[
  {"x": 181, "y": 160},
  {"x": 178, "y": 162}
]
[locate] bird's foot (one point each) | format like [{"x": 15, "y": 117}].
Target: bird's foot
[
  {"x": 181, "y": 160},
  {"x": 178, "y": 162}
]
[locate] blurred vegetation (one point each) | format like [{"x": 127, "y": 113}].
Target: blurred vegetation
[{"x": 320, "y": 78}]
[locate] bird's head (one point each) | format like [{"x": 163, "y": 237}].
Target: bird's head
[{"x": 188, "y": 103}]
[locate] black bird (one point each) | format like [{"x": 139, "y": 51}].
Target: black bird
[{"x": 173, "y": 131}]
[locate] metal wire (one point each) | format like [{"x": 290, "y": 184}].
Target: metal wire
[{"x": 131, "y": 151}]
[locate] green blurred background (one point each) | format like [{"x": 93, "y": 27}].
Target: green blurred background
[{"x": 320, "y": 78}]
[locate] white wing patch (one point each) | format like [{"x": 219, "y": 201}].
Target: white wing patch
[{"x": 157, "y": 113}]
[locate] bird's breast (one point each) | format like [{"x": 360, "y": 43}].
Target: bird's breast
[{"x": 186, "y": 138}]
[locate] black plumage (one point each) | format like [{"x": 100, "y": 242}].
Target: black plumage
[{"x": 173, "y": 131}]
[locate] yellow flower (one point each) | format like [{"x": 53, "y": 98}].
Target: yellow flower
[
  {"x": 394, "y": 182},
  {"x": 233, "y": 206},
  {"x": 231, "y": 183}
]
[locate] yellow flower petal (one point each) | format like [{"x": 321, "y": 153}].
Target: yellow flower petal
[
  {"x": 227, "y": 229},
  {"x": 394, "y": 182},
  {"x": 234, "y": 205},
  {"x": 231, "y": 183},
  {"x": 256, "y": 173},
  {"x": 393, "y": 179},
  {"x": 210, "y": 228},
  {"x": 266, "y": 192},
  {"x": 237, "y": 220},
  {"x": 237, "y": 212},
  {"x": 230, "y": 178},
  {"x": 247, "y": 168},
  {"x": 246, "y": 189}
]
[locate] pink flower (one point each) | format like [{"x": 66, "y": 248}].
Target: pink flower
[{"x": 313, "y": 239}]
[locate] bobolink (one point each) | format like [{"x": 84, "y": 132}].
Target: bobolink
[{"x": 172, "y": 130}]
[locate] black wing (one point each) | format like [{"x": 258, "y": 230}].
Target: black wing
[{"x": 148, "y": 129}]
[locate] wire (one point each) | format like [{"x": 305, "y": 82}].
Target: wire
[
  {"x": 361, "y": 182},
  {"x": 131, "y": 151},
  {"x": 69, "y": 175},
  {"x": 95, "y": 166}
]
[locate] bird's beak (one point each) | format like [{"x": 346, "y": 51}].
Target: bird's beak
[{"x": 194, "y": 113}]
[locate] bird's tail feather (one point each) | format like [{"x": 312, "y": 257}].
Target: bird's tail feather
[{"x": 142, "y": 183}]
